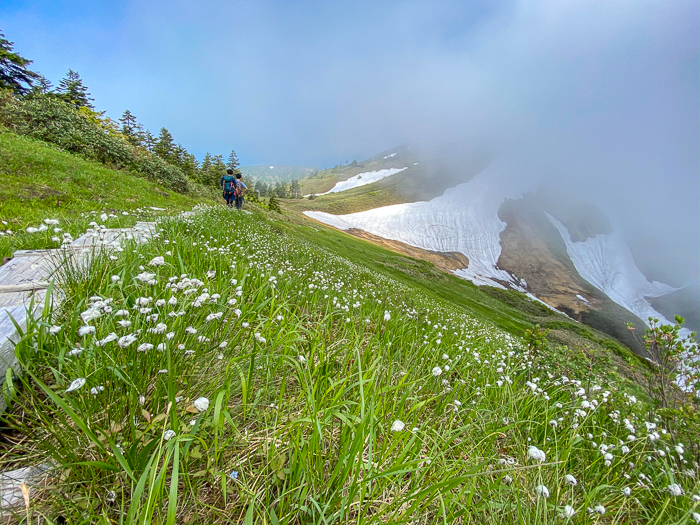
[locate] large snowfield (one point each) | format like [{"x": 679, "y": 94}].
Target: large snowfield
[
  {"x": 361, "y": 179},
  {"x": 465, "y": 220}
]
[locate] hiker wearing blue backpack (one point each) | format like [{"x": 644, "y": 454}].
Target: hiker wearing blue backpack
[
  {"x": 228, "y": 185},
  {"x": 240, "y": 191}
]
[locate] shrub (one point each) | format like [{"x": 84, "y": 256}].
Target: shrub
[{"x": 87, "y": 133}]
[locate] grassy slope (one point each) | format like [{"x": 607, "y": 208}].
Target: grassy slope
[
  {"x": 320, "y": 440},
  {"x": 510, "y": 310},
  {"x": 40, "y": 181}
]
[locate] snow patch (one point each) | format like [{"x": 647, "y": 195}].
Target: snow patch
[
  {"x": 464, "y": 219},
  {"x": 391, "y": 155},
  {"x": 361, "y": 179},
  {"x": 606, "y": 262},
  {"x": 582, "y": 298}
]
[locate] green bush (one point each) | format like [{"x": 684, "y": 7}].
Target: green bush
[{"x": 87, "y": 133}]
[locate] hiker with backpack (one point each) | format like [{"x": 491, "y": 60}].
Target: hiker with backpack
[
  {"x": 228, "y": 185},
  {"x": 240, "y": 191}
]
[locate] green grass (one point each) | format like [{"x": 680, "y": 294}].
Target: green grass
[
  {"x": 40, "y": 181},
  {"x": 315, "y": 354}
]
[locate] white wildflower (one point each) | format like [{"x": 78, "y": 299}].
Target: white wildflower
[
  {"x": 157, "y": 261},
  {"x": 397, "y": 426},
  {"x": 570, "y": 480},
  {"x": 144, "y": 347},
  {"x": 168, "y": 435},
  {"x": 145, "y": 277},
  {"x": 674, "y": 489},
  {"x": 387, "y": 315},
  {"x": 126, "y": 340},
  {"x": 437, "y": 371},
  {"x": 627, "y": 492},
  {"x": 97, "y": 389},
  {"x": 536, "y": 454},
  {"x": 568, "y": 512},
  {"x": 541, "y": 490},
  {"x": 85, "y": 330},
  {"x": 90, "y": 314},
  {"x": 54, "y": 330},
  {"x": 115, "y": 278},
  {"x": 201, "y": 404},
  {"x": 76, "y": 384}
]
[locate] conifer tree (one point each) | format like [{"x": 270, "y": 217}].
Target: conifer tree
[
  {"x": 233, "y": 162},
  {"x": 14, "y": 73},
  {"x": 148, "y": 141},
  {"x": 130, "y": 127},
  {"x": 294, "y": 189},
  {"x": 73, "y": 91},
  {"x": 165, "y": 146},
  {"x": 273, "y": 204}
]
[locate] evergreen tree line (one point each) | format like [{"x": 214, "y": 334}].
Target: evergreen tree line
[
  {"x": 281, "y": 190},
  {"x": 66, "y": 115}
]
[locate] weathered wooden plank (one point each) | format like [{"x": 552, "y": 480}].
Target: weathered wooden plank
[{"x": 24, "y": 287}]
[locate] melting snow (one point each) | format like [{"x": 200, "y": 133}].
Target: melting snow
[
  {"x": 362, "y": 179},
  {"x": 606, "y": 262},
  {"x": 464, "y": 219},
  {"x": 389, "y": 156}
]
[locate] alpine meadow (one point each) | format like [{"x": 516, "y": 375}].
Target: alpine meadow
[{"x": 450, "y": 326}]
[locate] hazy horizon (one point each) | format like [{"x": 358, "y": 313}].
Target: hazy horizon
[{"x": 599, "y": 98}]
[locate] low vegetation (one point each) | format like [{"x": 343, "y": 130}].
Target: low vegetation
[{"x": 252, "y": 374}]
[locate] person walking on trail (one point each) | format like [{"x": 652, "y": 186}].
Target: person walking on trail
[
  {"x": 240, "y": 191},
  {"x": 228, "y": 185}
]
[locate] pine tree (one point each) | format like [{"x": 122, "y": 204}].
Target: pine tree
[
  {"x": 130, "y": 127},
  {"x": 73, "y": 91},
  {"x": 42, "y": 86},
  {"x": 294, "y": 189},
  {"x": 165, "y": 146},
  {"x": 233, "y": 162},
  {"x": 14, "y": 73},
  {"x": 149, "y": 141},
  {"x": 273, "y": 204}
]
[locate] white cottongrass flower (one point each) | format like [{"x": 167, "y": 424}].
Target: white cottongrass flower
[
  {"x": 31, "y": 229},
  {"x": 507, "y": 479},
  {"x": 437, "y": 371},
  {"x": 75, "y": 352},
  {"x": 232, "y": 301},
  {"x": 144, "y": 347},
  {"x": 387, "y": 315},
  {"x": 302, "y": 359},
  {"x": 124, "y": 323},
  {"x": 160, "y": 303},
  {"x": 51, "y": 222},
  {"x": 259, "y": 338},
  {"x": 121, "y": 313},
  {"x": 107, "y": 339},
  {"x": 535, "y": 453},
  {"x": 627, "y": 492},
  {"x": 570, "y": 480},
  {"x": 397, "y": 426},
  {"x": 126, "y": 340},
  {"x": 674, "y": 489},
  {"x": 85, "y": 330},
  {"x": 55, "y": 329},
  {"x": 115, "y": 278},
  {"x": 211, "y": 274},
  {"x": 201, "y": 404},
  {"x": 172, "y": 301},
  {"x": 145, "y": 277},
  {"x": 541, "y": 490},
  {"x": 169, "y": 335},
  {"x": 214, "y": 316},
  {"x": 161, "y": 347},
  {"x": 598, "y": 509},
  {"x": 223, "y": 344},
  {"x": 96, "y": 390},
  {"x": 568, "y": 512},
  {"x": 168, "y": 435},
  {"x": 90, "y": 314},
  {"x": 191, "y": 330},
  {"x": 696, "y": 517},
  {"x": 157, "y": 261},
  {"x": 76, "y": 384}
]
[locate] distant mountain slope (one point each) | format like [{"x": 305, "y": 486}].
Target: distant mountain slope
[
  {"x": 564, "y": 254},
  {"x": 273, "y": 173}
]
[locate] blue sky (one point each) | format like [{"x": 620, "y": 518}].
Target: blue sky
[{"x": 599, "y": 96}]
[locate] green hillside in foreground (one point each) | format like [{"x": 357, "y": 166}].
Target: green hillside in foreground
[
  {"x": 39, "y": 181},
  {"x": 269, "y": 372}
]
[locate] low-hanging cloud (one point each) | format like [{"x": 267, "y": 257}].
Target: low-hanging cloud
[{"x": 598, "y": 98}]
